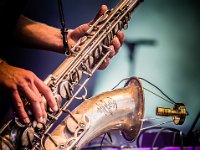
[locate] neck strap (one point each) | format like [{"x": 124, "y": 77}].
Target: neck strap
[{"x": 64, "y": 30}]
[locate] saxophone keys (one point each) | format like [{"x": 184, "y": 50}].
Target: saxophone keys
[
  {"x": 116, "y": 29},
  {"x": 125, "y": 26},
  {"x": 77, "y": 49},
  {"x": 37, "y": 125},
  {"x": 40, "y": 126},
  {"x": 52, "y": 116},
  {"x": 129, "y": 16},
  {"x": 90, "y": 61},
  {"x": 76, "y": 123},
  {"x": 5, "y": 144},
  {"x": 51, "y": 138},
  {"x": 18, "y": 123},
  {"x": 64, "y": 89},
  {"x": 89, "y": 31},
  {"x": 94, "y": 27},
  {"x": 103, "y": 17},
  {"x": 107, "y": 48},
  {"x": 97, "y": 52},
  {"x": 83, "y": 39},
  {"x": 58, "y": 99},
  {"x": 72, "y": 123},
  {"x": 105, "y": 41},
  {"x": 27, "y": 137},
  {"x": 79, "y": 74},
  {"x": 120, "y": 25}
]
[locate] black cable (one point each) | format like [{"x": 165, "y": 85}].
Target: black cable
[
  {"x": 109, "y": 135},
  {"x": 120, "y": 83},
  {"x": 102, "y": 140},
  {"x": 169, "y": 100},
  {"x": 159, "y": 127},
  {"x": 100, "y": 147},
  {"x": 129, "y": 79},
  {"x": 64, "y": 30},
  {"x": 174, "y": 138},
  {"x": 156, "y": 137},
  {"x": 194, "y": 124},
  {"x": 157, "y": 89},
  {"x": 61, "y": 13}
]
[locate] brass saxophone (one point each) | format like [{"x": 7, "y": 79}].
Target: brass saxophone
[{"x": 120, "y": 109}]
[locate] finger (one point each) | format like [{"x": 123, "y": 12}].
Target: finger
[
  {"x": 100, "y": 13},
  {"x": 35, "y": 103},
  {"x": 47, "y": 93},
  {"x": 116, "y": 43},
  {"x": 78, "y": 32},
  {"x": 105, "y": 64},
  {"x": 19, "y": 107},
  {"x": 42, "y": 105},
  {"x": 121, "y": 37},
  {"x": 44, "y": 114},
  {"x": 112, "y": 51}
]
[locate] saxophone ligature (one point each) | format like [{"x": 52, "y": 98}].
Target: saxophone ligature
[{"x": 121, "y": 109}]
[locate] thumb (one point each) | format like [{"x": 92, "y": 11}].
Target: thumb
[
  {"x": 74, "y": 35},
  {"x": 80, "y": 31},
  {"x": 83, "y": 28},
  {"x": 102, "y": 10}
]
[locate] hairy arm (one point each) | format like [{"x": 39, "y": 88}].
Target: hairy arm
[
  {"x": 34, "y": 34},
  {"x": 17, "y": 81}
]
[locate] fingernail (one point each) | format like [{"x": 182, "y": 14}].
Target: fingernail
[
  {"x": 40, "y": 120},
  {"x": 111, "y": 49},
  {"x": 27, "y": 120},
  {"x": 44, "y": 120},
  {"x": 39, "y": 126},
  {"x": 34, "y": 124},
  {"x": 55, "y": 108}
]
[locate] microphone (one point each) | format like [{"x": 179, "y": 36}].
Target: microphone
[{"x": 178, "y": 113}]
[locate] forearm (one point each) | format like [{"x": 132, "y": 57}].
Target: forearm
[{"x": 38, "y": 35}]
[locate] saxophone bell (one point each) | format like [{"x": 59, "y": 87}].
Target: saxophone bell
[{"x": 120, "y": 109}]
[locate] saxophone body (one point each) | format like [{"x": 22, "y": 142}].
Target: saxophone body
[{"x": 119, "y": 109}]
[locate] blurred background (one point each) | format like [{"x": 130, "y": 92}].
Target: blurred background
[{"x": 162, "y": 45}]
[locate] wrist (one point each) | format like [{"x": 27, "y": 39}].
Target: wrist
[{"x": 1, "y": 61}]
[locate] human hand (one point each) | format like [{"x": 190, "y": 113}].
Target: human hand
[
  {"x": 77, "y": 33},
  {"x": 19, "y": 82}
]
